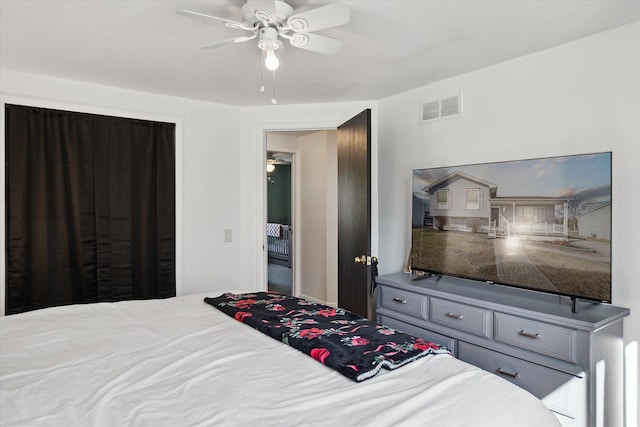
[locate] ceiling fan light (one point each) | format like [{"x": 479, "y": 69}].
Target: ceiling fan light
[{"x": 271, "y": 61}]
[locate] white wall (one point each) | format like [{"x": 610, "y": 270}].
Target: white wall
[
  {"x": 209, "y": 162},
  {"x": 313, "y": 215},
  {"x": 331, "y": 206},
  {"x": 581, "y": 97}
]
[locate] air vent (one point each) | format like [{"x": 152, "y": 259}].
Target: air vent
[
  {"x": 431, "y": 110},
  {"x": 442, "y": 108}
]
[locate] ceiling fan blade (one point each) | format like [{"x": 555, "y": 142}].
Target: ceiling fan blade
[
  {"x": 332, "y": 15},
  {"x": 228, "y": 41},
  {"x": 227, "y": 22},
  {"x": 316, "y": 43}
]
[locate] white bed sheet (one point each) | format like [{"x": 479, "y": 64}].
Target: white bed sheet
[{"x": 181, "y": 362}]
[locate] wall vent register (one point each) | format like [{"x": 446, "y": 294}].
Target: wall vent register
[{"x": 441, "y": 108}]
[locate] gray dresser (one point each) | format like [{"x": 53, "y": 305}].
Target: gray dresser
[{"x": 572, "y": 361}]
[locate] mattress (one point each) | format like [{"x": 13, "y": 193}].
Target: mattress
[{"x": 181, "y": 362}]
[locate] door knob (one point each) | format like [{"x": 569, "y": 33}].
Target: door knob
[{"x": 365, "y": 260}]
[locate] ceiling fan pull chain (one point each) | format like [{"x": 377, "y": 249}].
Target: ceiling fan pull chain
[
  {"x": 273, "y": 93},
  {"x": 262, "y": 72}
]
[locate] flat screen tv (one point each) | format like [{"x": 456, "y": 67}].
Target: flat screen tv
[{"x": 541, "y": 224}]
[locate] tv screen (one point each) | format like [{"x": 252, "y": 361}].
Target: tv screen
[{"x": 541, "y": 224}]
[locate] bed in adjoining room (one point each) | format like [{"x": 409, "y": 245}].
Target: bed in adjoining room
[{"x": 184, "y": 362}]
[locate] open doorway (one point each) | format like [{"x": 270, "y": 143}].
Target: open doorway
[
  {"x": 279, "y": 228},
  {"x": 317, "y": 255},
  {"x": 313, "y": 226}
]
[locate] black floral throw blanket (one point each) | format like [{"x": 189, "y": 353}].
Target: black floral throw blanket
[{"x": 356, "y": 347}]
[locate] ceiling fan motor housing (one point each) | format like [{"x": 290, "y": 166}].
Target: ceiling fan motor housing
[{"x": 268, "y": 39}]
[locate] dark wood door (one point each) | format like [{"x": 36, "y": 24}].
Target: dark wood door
[{"x": 354, "y": 213}]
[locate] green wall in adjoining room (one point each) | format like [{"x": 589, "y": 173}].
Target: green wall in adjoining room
[{"x": 279, "y": 195}]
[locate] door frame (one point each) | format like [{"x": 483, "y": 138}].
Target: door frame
[{"x": 261, "y": 163}]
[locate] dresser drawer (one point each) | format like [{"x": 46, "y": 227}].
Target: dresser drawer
[
  {"x": 443, "y": 340},
  {"x": 462, "y": 317},
  {"x": 558, "y": 390},
  {"x": 551, "y": 340},
  {"x": 405, "y": 302}
]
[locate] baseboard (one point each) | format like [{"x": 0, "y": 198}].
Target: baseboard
[{"x": 307, "y": 297}]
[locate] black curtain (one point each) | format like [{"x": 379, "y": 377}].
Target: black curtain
[{"x": 90, "y": 203}]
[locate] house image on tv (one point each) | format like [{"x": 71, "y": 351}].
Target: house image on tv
[
  {"x": 595, "y": 222},
  {"x": 462, "y": 202}
]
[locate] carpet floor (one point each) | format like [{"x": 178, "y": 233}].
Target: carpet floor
[{"x": 280, "y": 278}]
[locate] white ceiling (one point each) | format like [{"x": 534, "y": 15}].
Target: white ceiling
[{"x": 388, "y": 46}]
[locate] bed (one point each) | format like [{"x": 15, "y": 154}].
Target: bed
[
  {"x": 181, "y": 362},
  {"x": 279, "y": 244}
]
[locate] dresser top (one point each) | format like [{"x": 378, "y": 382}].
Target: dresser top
[{"x": 537, "y": 305}]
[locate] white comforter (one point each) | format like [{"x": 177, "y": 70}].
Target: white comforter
[{"x": 181, "y": 362}]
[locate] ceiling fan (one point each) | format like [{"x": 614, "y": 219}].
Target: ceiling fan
[
  {"x": 279, "y": 158},
  {"x": 276, "y": 159},
  {"x": 270, "y": 20}
]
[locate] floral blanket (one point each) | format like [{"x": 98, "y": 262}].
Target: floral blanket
[{"x": 356, "y": 347}]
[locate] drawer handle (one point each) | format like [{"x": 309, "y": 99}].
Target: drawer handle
[
  {"x": 529, "y": 335},
  {"x": 400, "y": 300},
  {"x": 508, "y": 374},
  {"x": 454, "y": 315}
]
